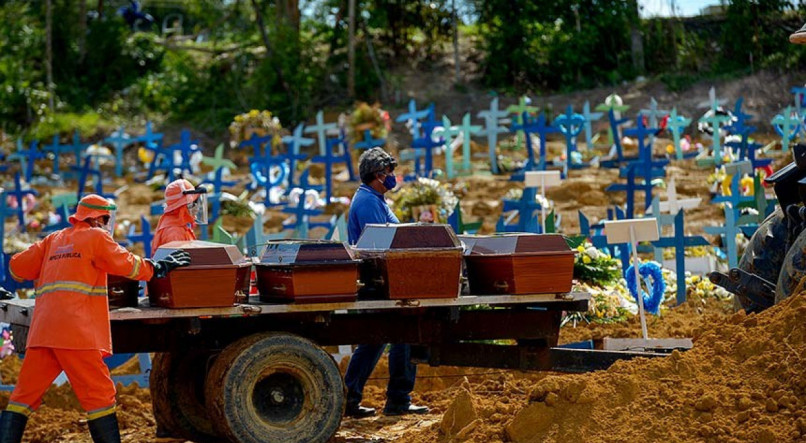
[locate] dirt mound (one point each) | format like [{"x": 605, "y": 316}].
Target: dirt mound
[{"x": 743, "y": 381}]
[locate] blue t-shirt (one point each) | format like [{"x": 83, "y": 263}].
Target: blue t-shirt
[{"x": 368, "y": 206}]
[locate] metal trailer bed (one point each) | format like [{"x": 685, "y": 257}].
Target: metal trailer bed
[{"x": 257, "y": 372}]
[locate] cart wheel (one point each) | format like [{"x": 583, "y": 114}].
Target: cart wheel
[
  {"x": 764, "y": 256},
  {"x": 275, "y": 387},
  {"x": 177, "y": 394}
]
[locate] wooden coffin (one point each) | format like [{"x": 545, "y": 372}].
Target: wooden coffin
[
  {"x": 307, "y": 271},
  {"x": 518, "y": 264},
  {"x": 122, "y": 292},
  {"x": 218, "y": 276},
  {"x": 409, "y": 261}
]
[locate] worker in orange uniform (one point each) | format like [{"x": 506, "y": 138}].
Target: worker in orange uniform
[
  {"x": 185, "y": 207},
  {"x": 70, "y": 328}
]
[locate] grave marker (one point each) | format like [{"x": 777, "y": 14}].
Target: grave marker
[
  {"x": 491, "y": 130},
  {"x": 715, "y": 120},
  {"x": 680, "y": 242},
  {"x": 119, "y": 140},
  {"x": 427, "y": 142},
  {"x": 521, "y": 110},
  {"x": 589, "y": 117},
  {"x": 27, "y": 158},
  {"x": 294, "y": 142},
  {"x": 787, "y": 126},
  {"x": 728, "y": 231},
  {"x": 369, "y": 142},
  {"x": 19, "y": 194},
  {"x": 57, "y": 149},
  {"x": 676, "y": 125},
  {"x": 144, "y": 236},
  {"x": 570, "y": 125},
  {"x": 654, "y": 114},
  {"x": 320, "y": 129}
]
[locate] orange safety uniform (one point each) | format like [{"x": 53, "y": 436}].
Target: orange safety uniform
[
  {"x": 70, "y": 328},
  {"x": 176, "y": 225}
]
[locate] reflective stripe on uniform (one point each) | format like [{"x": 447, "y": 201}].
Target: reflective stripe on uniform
[
  {"x": 71, "y": 286},
  {"x": 14, "y": 276},
  {"x": 137, "y": 261},
  {"x": 19, "y": 408},
  {"x": 102, "y": 412}
]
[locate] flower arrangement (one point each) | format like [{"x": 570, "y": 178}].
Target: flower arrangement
[
  {"x": 258, "y": 122},
  {"x": 425, "y": 192},
  {"x": 595, "y": 267},
  {"x": 369, "y": 117}
]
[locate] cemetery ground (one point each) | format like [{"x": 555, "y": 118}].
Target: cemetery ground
[{"x": 726, "y": 387}]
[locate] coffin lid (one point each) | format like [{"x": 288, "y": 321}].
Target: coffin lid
[
  {"x": 204, "y": 253},
  {"x": 407, "y": 236},
  {"x": 515, "y": 244},
  {"x": 301, "y": 252}
]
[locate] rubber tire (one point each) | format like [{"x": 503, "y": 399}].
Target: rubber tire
[
  {"x": 793, "y": 270},
  {"x": 764, "y": 255},
  {"x": 232, "y": 390},
  {"x": 177, "y": 394}
]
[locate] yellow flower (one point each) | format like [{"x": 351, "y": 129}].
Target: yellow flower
[
  {"x": 586, "y": 259},
  {"x": 581, "y": 248},
  {"x": 254, "y": 113}
]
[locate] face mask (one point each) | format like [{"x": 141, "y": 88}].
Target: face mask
[{"x": 390, "y": 182}]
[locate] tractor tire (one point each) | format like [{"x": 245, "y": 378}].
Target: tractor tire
[
  {"x": 764, "y": 256},
  {"x": 275, "y": 387},
  {"x": 177, "y": 394},
  {"x": 793, "y": 270}
]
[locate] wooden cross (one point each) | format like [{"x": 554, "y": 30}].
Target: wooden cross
[
  {"x": 491, "y": 130},
  {"x": 728, "y": 231},
  {"x": 320, "y": 129},
  {"x": 220, "y": 235},
  {"x": 255, "y": 236},
  {"x": 214, "y": 198},
  {"x": 328, "y": 160},
  {"x": 19, "y": 194},
  {"x": 570, "y": 125},
  {"x": 800, "y": 98},
  {"x": 677, "y": 124},
  {"x": 261, "y": 169},
  {"x": 788, "y": 126},
  {"x": 369, "y": 142},
  {"x": 302, "y": 211},
  {"x": 149, "y": 137},
  {"x": 186, "y": 147},
  {"x": 294, "y": 143},
  {"x": 339, "y": 230},
  {"x": 654, "y": 115},
  {"x": 521, "y": 110},
  {"x": 57, "y": 149},
  {"x": 540, "y": 127},
  {"x": 735, "y": 200},
  {"x": 467, "y": 130},
  {"x": 615, "y": 122},
  {"x": 119, "y": 140},
  {"x": 457, "y": 223},
  {"x": 84, "y": 172},
  {"x": 589, "y": 117},
  {"x": 715, "y": 121},
  {"x": 614, "y": 103},
  {"x": 525, "y": 208},
  {"x": 256, "y": 142},
  {"x": 27, "y": 158},
  {"x": 647, "y": 168},
  {"x": 347, "y": 154},
  {"x": 448, "y": 134},
  {"x": 760, "y": 204},
  {"x": 680, "y": 242},
  {"x": 218, "y": 161},
  {"x": 145, "y": 236},
  {"x": 78, "y": 148},
  {"x": 414, "y": 117},
  {"x": 427, "y": 142},
  {"x": 160, "y": 161}
]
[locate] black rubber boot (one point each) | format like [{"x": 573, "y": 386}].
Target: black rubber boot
[
  {"x": 105, "y": 429},
  {"x": 12, "y": 425}
]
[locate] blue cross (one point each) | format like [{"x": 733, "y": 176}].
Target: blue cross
[
  {"x": 302, "y": 214},
  {"x": 294, "y": 143},
  {"x": 149, "y": 137},
  {"x": 347, "y": 154},
  {"x": 663, "y": 221},
  {"x": 570, "y": 126},
  {"x": 740, "y": 128},
  {"x": 214, "y": 198},
  {"x": 589, "y": 118},
  {"x": 788, "y": 127},
  {"x": 630, "y": 187},
  {"x": 329, "y": 159},
  {"x": 614, "y": 128},
  {"x": 646, "y": 167},
  {"x": 261, "y": 169},
  {"x": 526, "y": 207},
  {"x": 369, "y": 142},
  {"x": 256, "y": 142},
  {"x": 5, "y": 212},
  {"x": 145, "y": 236},
  {"x": 491, "y": 129},
  {"x": 119, "y": 140},
  {"x": 320, "y": 129},
  {"x": 728, "y": 231},
  {"x": 457, "y": 223},
  {"x": 186, "y": 148},
  {"x": 676, "y": 124},
  {"x": 161, "y": 161},
  {"x": 19, "y": 194},
  {"x": 760, "y": 204},
  {"x": 736, "y": 200},
  {"x": 653, "y": 113},
  {"x": 599, "y": 240},
  {"x": 680, "y": 242},
  {"x": 83, "y": 174},
  {"x": 78, "y": 148},
  {"x": 63, "y": 213},
  {"x": 540, "y": 127},
  {"x": 427, "y": 143},
  {"x": 27, "y": 158},
  {"x": 414, "y": 116},
  {"x": 57, "y": 149}
]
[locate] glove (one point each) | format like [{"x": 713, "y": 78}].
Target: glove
[
  {"x": 5, "y": 294},
  {"x": 175, "y": 260}
]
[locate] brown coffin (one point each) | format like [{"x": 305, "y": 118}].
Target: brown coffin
[
  {"x": 409, "y": 261},
  {"x": 518, "y": 264},
  {"x": 307, "y": 271},
  {"x": 122, "y": 292},
  {"x": 218, "y": 276}
]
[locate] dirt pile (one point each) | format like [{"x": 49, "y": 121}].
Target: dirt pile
[{"x": 743, "y": 381}]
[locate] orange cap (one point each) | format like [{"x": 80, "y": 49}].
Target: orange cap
[
  {"x": 92, "y": 206},
  {"x": 175, "y": 197}
]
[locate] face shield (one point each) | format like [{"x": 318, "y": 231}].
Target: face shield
[{"x": 198, "y": 207}]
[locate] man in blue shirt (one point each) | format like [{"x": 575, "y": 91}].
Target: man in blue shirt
[{"x": 376, "y": 168}]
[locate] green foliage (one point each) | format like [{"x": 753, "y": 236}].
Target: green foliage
[
  {"x": 88, "y": 124},
  {"x": 595, "y": 267}
]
